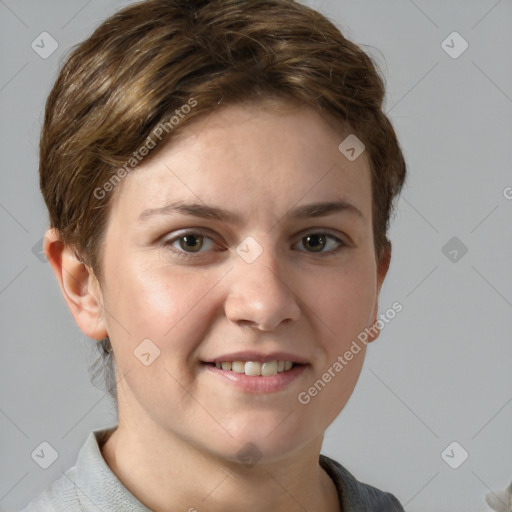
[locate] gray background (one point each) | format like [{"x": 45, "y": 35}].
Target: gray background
[{"x": 441, "y": 370}]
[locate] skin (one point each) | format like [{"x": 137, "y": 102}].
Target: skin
[{"x": 180, "y": 427}]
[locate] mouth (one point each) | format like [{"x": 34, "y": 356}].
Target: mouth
[
  {"x": 255, "y": 368},
  {"x": 256, "y": 377}
]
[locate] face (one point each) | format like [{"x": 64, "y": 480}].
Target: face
[{"x": 260, "y": 283}]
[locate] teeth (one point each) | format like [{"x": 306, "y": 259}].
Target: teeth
[
  {"x": 254, "y": 368},
  {"x": 269, "y": 368},
  {"x": 238, "y": 366}
]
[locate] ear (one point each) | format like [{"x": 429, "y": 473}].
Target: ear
[
  {"x": 78, "y": 284},
  {"x": 382, "y": 270}
]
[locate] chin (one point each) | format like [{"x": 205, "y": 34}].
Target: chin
[{"x": 267, "y": 438}]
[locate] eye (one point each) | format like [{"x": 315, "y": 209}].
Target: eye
[
  {"x": 317, "y": 241},
  {"x": 189, "y": 243}
]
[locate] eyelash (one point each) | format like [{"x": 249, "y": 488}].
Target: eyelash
[{"x": 183, "y": 254}]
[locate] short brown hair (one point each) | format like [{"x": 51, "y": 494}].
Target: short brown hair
[{"x": 140, "y": 67}]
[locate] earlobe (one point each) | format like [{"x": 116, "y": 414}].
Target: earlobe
[
  {"x": 383, "y": 265},
  {"x": 382, "y": 270},
  {"x": 78, "y": 285}
]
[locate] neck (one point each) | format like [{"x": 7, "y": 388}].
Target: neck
[{"x": 166, "y": 473}]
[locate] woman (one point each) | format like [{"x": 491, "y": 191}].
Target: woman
[{"x": 220, "y": 177}]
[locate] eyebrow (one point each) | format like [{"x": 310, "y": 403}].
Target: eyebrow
[{"x": 204, "y": 211}]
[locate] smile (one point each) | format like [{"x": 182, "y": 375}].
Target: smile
[
  {"x": 255, "y": 368},
  {"x": 256, "y": 377}
]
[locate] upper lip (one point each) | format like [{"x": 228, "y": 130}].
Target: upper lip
[{"x": 250, "y": 355}]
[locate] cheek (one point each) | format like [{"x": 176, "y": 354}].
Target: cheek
[
  {"x": 164, "y": 304},
  {"x": 340, "y": 380},
  {"x": 343, "y": 309},
  {"x": 346, "y": 301}
]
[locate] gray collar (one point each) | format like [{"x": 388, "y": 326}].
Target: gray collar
[{"x": 98, "y": 487}]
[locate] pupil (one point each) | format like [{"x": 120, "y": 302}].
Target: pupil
[
  {"x": 318, "y": 239},
  {"x": 191, "y": 242}
]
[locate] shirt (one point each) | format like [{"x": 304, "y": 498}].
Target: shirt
[{"x": 91, "y": 486}]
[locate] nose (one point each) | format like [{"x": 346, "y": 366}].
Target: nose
[{"x": 260, "y": 295}]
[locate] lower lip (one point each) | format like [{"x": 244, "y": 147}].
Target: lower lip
[{"x": 258, "y": 383}]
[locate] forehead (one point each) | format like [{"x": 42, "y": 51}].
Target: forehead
[{"x": 250, "y": 158}]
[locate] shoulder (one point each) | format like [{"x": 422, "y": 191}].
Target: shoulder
[
  {"x": 358, "y": 496},
  {"x": 83, "y": 485},
  {"x": 59, "y": 496}
]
